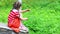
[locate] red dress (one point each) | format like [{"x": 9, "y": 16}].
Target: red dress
[{"x": 14, "y": 20}]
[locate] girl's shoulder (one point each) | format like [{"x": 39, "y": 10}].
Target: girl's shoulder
[{"x": 14, "y": 10}]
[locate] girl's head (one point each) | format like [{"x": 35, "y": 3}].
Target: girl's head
[{"x": 16, "y": 5}]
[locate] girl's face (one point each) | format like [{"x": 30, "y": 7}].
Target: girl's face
[{"x": 19, "y": 8}]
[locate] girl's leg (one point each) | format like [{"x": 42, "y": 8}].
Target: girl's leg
[{"x": 22, "y": 27}]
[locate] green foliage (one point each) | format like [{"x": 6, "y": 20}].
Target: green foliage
[{"x": 44, "y": 15}]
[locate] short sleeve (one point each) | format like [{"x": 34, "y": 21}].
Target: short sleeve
[{"x": 16, "y": 12}]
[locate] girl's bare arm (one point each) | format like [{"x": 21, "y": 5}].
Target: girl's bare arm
[
  {"x": 23, "y": 18},
  {"x": 25, "y": 10}
]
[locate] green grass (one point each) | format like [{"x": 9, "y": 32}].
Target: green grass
[{"x": 44, "y": 16}]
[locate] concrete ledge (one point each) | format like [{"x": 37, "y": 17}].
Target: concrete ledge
[{"x": 4, "y": 29}]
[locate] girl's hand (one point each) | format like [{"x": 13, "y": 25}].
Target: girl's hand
[{"x": 27, "y": 10}]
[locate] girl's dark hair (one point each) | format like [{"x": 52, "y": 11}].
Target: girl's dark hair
[{"x": 16, "y": 5}]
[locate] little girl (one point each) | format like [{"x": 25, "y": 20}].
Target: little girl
[{"x": 15, "y": 17}]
